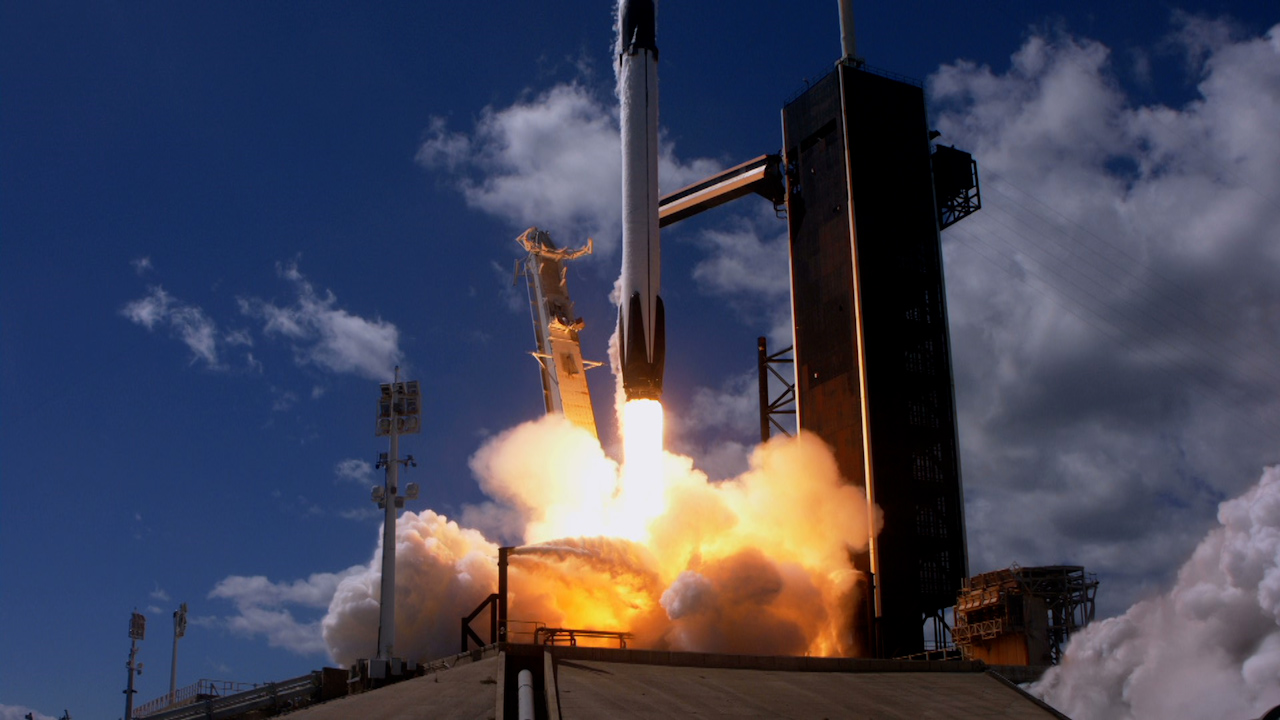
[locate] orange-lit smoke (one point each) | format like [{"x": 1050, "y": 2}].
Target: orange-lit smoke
[
  {"x": 759, "y": 563},
  {"x": 755, "y": 564}
]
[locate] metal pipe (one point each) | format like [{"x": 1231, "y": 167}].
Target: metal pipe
[
  {"x": 762, "y": 368},
  {"x": 503, "y": 554},
  {"x": 848, "y": 41},
  {"x": 524, "y": 695}
]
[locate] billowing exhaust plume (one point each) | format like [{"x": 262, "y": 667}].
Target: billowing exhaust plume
[
  {"x": 759, "y": 563},
  {"x": 1210, "y": 648}
]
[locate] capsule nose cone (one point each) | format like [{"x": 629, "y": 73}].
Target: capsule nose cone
[{"x": 638, "y": 23}]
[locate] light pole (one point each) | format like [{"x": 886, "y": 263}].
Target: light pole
[
  {"x": 137, "y": 631},
  {"x": 179, "y": 629},
  {"x": 399, "y": 413}
]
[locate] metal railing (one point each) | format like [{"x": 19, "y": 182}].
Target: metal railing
[
  {"x": 569, "y": 636},
  {"x": 212, "y": 706},
  {"x": 199, "y": 690}
]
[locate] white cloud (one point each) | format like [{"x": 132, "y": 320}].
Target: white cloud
[
  {"x": 186, "y": 322},
  {"x": 747, "y": 265},
  {"x": 553, "y": 160},
  {"x": 20, "y": 712},
  {"x": 160, "y": 594},
  {"x": 238, "y": 337},
  {"x": 1113, "y": 306},
  {"x": 258, "y": 591},
  {"x": 327, "y": 336},
  {"x": 265, "y": 608},
  {"x": 361, "y": 514},
  {"x": 354, "y": 470},
  {"x": 282, "y": 400},
  {"x": 141, "y": 265}
]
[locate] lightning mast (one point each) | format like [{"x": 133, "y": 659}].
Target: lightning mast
[
  {"x": 559, "y": 354},
  {"x": 399, "y": 413}
]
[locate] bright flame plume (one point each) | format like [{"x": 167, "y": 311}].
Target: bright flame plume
[
  {"x": 759, "y": 563},
  {"x": 642, "y": 487}
]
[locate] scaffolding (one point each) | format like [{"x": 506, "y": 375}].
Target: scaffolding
[{"x": 1023, "y": 616}]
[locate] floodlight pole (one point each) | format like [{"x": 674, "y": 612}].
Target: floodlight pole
[
  {"x": 137, "y": 631},
  {"x": 399, "y": 412},
  {"x": 387, "y": 621},
  {"x": 129, "y": 691},
  {"x": 179, "y": 629}
]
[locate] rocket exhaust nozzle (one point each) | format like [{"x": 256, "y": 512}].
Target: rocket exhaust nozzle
[{"x": 641, "y": 366}]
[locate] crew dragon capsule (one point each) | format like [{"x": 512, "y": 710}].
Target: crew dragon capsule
[{"x": 641, "y": 325}]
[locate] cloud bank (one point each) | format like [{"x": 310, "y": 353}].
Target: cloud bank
[{"x": 1113, "y": 306}]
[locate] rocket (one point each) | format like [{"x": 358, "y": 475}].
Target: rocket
[{"x": 641, "y": 325}]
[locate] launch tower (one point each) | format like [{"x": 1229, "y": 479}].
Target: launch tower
[{"x": 872, "y": 348}]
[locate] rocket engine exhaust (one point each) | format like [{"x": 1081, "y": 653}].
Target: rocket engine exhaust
[{"x": 641, "y": 321}]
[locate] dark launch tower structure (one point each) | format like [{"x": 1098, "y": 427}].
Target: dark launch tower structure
[{"x": 872, "y": 349}]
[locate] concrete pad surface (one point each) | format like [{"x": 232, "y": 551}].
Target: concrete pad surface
[
  {"x": 465, "y": 692},
  {"x": 590, "y": 689}
]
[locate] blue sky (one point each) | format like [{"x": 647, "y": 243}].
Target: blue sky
[{"x": 222, "y": 224}]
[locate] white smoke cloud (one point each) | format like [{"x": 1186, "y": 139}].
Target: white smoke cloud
[
  {"x": 327, "y": 336},
  {"x": 1209, "y": 648},
  {"x": 1113, "y": 306},
  {"x": 443, "y": 571}
]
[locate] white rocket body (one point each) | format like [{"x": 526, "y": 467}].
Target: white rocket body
[{"x": 641, "y": 321}]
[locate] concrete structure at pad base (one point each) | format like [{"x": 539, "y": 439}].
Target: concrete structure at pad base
[
  {"x": 580, "y": 682},
  {"x": 459, "y": 688}
]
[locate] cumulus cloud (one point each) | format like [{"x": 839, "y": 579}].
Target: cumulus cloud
[
  {"x": 551, "y": 160},
  {"x": 266, "y": 608},
  {"x": 1210, "y": 647},
  {"x": 1113, "y": 306},
  {"x": 324, "y": 335},
  {"x": 186, "y": 322}
]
